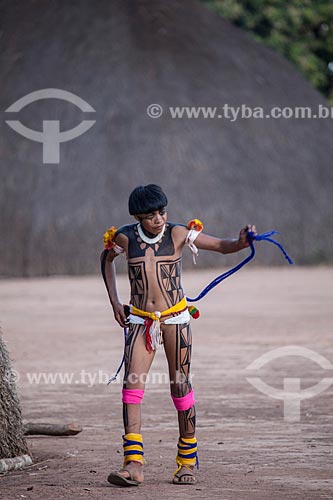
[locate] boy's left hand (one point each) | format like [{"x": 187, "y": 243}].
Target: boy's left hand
[{"x": 243, "y": 239}]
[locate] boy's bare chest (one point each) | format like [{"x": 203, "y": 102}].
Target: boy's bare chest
[
  {"x": 153, "y": 262},
  {"x": 155, "y": 280}
]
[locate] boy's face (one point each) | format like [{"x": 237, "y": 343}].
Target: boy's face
[{"x": 154, "y": 221}]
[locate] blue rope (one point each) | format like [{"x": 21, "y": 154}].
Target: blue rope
[
  {"x": 122, "y": 361},
  {"x": 223, "y": 276}
]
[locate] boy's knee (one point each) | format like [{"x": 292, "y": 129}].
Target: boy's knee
[{"x": 180, "y": 386}]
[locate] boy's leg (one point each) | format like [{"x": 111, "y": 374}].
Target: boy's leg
[
  {"x": 178, "y": 347},
  {"x": 137, "y": 364}
]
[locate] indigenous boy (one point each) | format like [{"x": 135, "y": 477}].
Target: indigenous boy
[{"x": 158, "y": 313}]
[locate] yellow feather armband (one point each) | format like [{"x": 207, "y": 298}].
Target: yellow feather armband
[
  {"x": 109, "y": 243},
  {"x": 109, "y": 237},
  {"x": 195, "y": 224}
]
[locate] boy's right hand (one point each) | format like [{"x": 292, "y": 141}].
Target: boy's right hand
[{"x": 119, "y": 315}]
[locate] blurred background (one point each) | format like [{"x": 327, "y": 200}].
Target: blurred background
[{"x": 120, "y": 56}]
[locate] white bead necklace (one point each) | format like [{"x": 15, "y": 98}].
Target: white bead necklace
[{"x": 146, "y": 239}]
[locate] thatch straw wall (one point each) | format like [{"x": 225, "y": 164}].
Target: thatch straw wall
[{"x": 12, "y": 441}]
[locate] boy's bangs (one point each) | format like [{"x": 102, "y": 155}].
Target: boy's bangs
[{"x": 146, "y": 199}]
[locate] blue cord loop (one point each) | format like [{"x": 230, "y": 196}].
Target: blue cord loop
[
  {"x": 266, "y": 237},
  {"x": 251, "y": 237}
]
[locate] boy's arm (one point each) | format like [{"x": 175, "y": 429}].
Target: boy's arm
[
  {"x": 205, "y": 242},
  {"x": 109, "y": 276}
]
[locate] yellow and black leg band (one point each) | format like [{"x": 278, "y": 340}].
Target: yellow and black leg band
[
  {"x": 187, "y": 455},
  {"x": 133, "y": 448}
]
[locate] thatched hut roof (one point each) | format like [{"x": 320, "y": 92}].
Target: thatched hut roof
[{"x": 120, "y": 56}]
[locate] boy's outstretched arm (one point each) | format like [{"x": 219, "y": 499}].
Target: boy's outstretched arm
[
  {"x": 109, "y": 275},
  {"x": 205, "y": 242}
]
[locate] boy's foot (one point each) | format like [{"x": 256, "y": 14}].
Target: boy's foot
[
  {"x": 132, "y": 475},
  {"x": 184, "y": 476}
]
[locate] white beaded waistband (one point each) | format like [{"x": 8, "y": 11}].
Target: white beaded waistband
[{"x": 179, "y": 319}]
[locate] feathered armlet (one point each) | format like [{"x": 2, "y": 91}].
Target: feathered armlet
[
  {"x": 195, "y": 226},
  {"x": 109, "y": 243}
]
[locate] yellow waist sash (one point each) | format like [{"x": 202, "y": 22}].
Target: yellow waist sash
[{"x": 156, "y": 315}]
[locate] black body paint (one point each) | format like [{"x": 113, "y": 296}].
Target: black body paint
[{"x": 137, "y": 247}]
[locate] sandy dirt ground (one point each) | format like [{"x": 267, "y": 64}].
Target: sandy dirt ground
[{"x": 247, "y": 449}]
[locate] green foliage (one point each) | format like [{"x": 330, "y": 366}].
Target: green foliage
[{"x": 300, "y": 30}]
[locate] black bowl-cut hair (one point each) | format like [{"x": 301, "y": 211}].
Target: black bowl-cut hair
[{"x": 146, "y": 199}]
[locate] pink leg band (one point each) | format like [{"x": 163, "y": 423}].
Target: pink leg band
[
  {"x": 133, "y": 396},
  {"x": 184, "y": 403}
]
